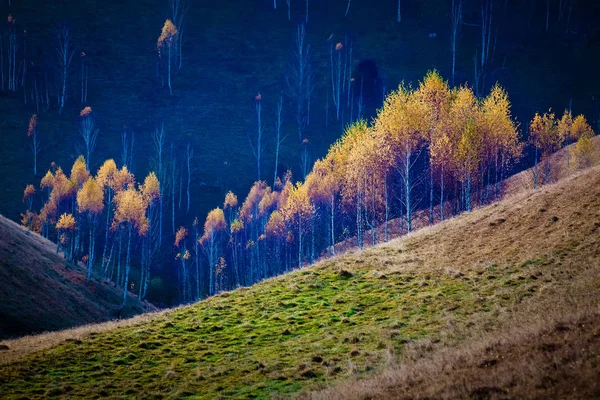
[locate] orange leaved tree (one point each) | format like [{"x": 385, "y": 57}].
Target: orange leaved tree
[
  {"x": 213, "y": 227},
  {"x": 166, "y": 42},
  {"x": 130, "y": 212},
  {"x": 90, "y": 200}
]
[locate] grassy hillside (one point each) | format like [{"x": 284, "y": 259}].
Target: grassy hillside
[
  {"x": 40, "y": 291},
  {"x": 462, "y": 279}
]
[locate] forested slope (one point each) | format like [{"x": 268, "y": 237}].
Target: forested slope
[{"x": 499, "y": 268}]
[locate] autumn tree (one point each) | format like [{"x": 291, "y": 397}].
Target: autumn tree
[
  {"x": 35, "y": 141},
  {"x": 544, "y": 134},
  {"x": 323, "y": 185},
  {"x": 403, "y": 123},
  {"x": 90, "y": 201},
  {"x": 583, "y": 133},
  {"x": 105, "y": 179},
  {"x": 151, "y": 193},
  {"x": 249, "y": 215},
  {"x": 167, "y": 42},
  {"x": 501, "y": 137},
  {"x": 65, "y": 227},
  {"x": 298, "y": 211},
  {"x": 564, "y": 127},
  {"x": 130, "y": 212},
  {"x": 213, "y": 227},
  {"x": 183, "y": 255},
  {"x": 29, "y": 216},
  {"x": 276, "y": 232},
  {"x": 434, "y": 92}
]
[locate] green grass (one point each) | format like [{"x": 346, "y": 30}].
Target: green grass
[{"x": 301, "y": 330}]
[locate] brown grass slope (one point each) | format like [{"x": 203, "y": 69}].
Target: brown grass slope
[
  {"x": 40, "y": 291},
  {"x": 544, "y": 346}
]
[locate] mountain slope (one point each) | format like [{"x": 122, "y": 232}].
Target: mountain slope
[
  {"x": 352, "y": 315},
  {"x": 40, "y": 291}
]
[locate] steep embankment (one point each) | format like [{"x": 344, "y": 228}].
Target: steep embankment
[
  {"x": 40, "y": 291},
  {"x": 471, "y": 282}
]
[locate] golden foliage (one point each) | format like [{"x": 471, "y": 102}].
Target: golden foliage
[
  {"x": 85, "y": 112},
  {"x": 28, "y": 193},
  {"x": 122, "y": 179},
  {"x": 249, "y": 208},
  {"x": 66, "y": 222},
  {"x": 500, "y": 132},
  {"x": 79, "y": 172},
  {"x": 543, "y": 131},
  {"x": 167, "y": 35},
  {"x": 276, "y": 225},
  {"x": 231, "y": 200},
  {"x": 565, "y": 126},
  {"x": 47, "y": 181},
  {"x": 131, "y": 209},
  {"x": 434, "y": 91},
  {"x": 32, "y": 221},
  {"x": 237, "y": 226},
  {"x": 581, "y": 128},
  {"x": 49, "y": 211},
  {"x": 404, "y": 120},
  {"x": 150, "y": 188},
  {"x": 297, "y": 208},
  {"x": 180, "y": 236},
  {"x": 32, "y": 125},
  {"x": 215, "y": 222},
  {"x": 268, "y": 202},
  {"x": 90, "y": 198},
  {"x": 339, "y": 46},
  {"x": 583, "y": 150},
  {"x": 106, "y": 174},
  {"x": 63, "y": 187}
]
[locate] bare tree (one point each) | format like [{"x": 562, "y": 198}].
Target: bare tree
[
  {"x": 347, "y": 8},
  {"x": 336, "y": 74},
  {"x": 456, "y": 21},
  {"x": 158, "y": 138},
  {"x": 179, "y": 9},
  {"x": 257, "y": 147},
  {"x": 306, "y": 12},
  {"x": 298, "y": 80},
  {"x": 188, "y": 161},
  {"x": 278, "y": 140},
  {"x": 65, "y": 51},
  {"x": 88, "y": 133},
  {"x": 398, "y": 15},
  {"x": 13, "y": 45},
  {"x": 289, "y": 15},
  {"x": 486, "y": 34},
  {"x": 35, "y": 141},
  {"x": 84, "y": 77},
  {"x": 127, "y": 143}
]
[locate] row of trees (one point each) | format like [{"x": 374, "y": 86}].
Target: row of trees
[
  {"x": 432, "y": 148},
  {"x": 72, "y": 215},
  {"x": 432, "y": 144}
]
